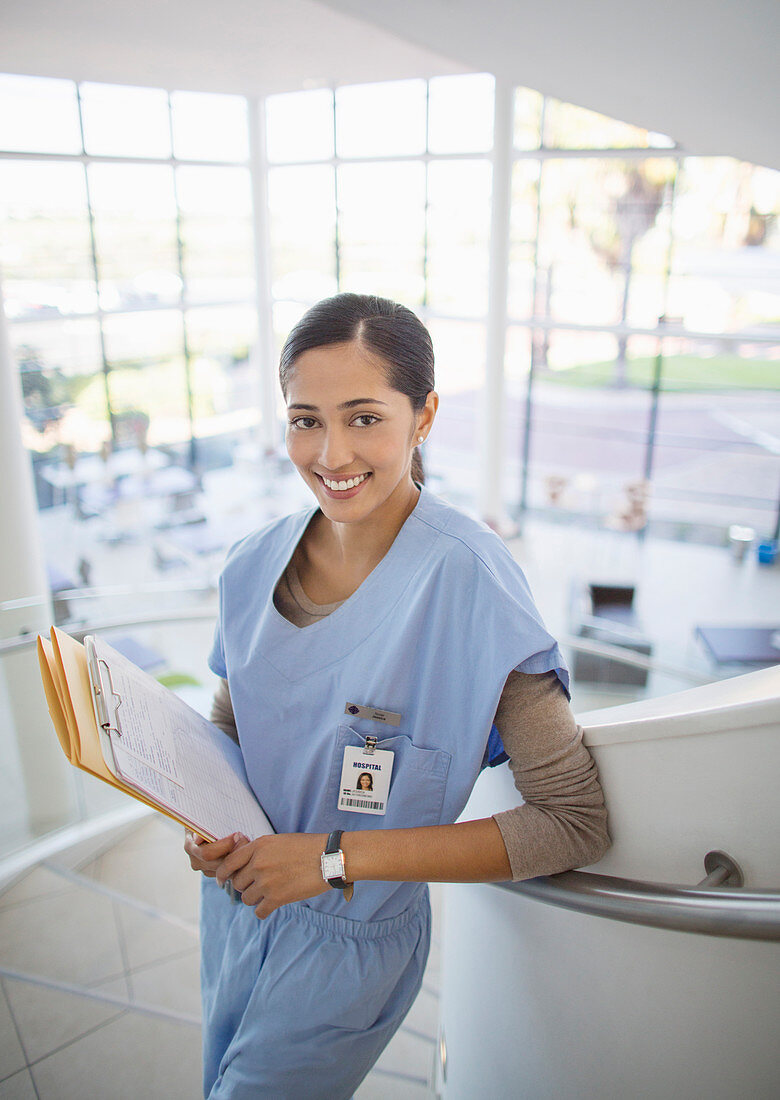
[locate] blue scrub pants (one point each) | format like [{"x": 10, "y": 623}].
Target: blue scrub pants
[{"x": 300, "y": 1006}]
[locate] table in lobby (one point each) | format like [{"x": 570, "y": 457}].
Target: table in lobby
[{"x": 94, "y": 470}]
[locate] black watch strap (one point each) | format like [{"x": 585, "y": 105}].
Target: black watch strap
[{"x": 334, "y": 842}]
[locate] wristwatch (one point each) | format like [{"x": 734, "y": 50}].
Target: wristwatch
[{"x": 332, "y": 862}]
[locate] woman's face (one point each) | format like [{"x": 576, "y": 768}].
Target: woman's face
[
  {"x": 364, "y": 783},
  {"x": 350, "y": 435}
]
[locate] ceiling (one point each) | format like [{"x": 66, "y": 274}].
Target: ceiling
[
  {"x": 705, "y": 72},
  {"x": 251, "y": 47}
]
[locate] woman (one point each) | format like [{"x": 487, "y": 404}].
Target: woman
[{"x": 380, "y": 630}]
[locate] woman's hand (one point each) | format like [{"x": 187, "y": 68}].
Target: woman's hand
[
  {"x": 207, "y": 857},
  {"x": 275, "y": 870}
]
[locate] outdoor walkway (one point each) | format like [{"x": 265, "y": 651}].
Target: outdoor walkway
[{"x": 99, "y": 992}]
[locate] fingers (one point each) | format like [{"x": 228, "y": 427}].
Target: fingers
[
  {"x": 238, "y": 857},
  {"x": 210, "y": 850},
  {"x": 270, "y": 871},
  {"x": 264, "y": 909},
  {"x": 207, "y": 856}
]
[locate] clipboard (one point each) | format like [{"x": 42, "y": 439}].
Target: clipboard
[
  {"x": 104, "y": 700},
  {"x": 118, "y": 723}
]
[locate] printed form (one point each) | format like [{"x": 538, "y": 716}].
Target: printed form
[{"x": 168, "y": 751}]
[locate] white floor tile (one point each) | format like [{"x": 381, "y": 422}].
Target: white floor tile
[
  {"x": 114, "y": 987},
  {"x": 380, "y": 1086},
  {"x": 423, "y": 1016},
  {"x": 150, "y": 939},
  {"x": 18, "y": 1087},
  {"x": 134, "y": 1056},
  {"x": 38, "y": 883},
  {"x": 11, "y": 1053},
  {"x": 48, "y": 1018},
  {"x": 173, "y": 984},
  {"x": 407, "y": 1054},
  {"x": 432, "y": 975},
  {"x": 71, "y": 936},
  {"x": 158, "y": 875},
  {"x": 90, "y": 868}
]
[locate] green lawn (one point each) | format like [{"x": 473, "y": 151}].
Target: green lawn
[{"x": 681, "y": 373}]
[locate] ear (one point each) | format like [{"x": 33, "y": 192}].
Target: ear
[{"x": 426, "y": 416}]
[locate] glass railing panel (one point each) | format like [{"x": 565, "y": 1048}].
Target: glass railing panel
[{"x": 39, "y": 792}]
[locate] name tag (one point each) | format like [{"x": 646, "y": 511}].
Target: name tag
[
  {"x": 373, "y": 714},
  {"x": 365, "y": 780}
]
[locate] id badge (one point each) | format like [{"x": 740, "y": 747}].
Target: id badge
[{"x": 365, "y": 780}]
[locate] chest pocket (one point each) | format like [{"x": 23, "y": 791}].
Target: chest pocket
[{"x": 417, "y": 785}]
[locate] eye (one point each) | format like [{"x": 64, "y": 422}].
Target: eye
[
  {"x": 365, "y": 420},
  {"x": 303, "y": 422}
]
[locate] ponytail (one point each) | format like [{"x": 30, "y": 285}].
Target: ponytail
[{"x": 418, "y": 471}]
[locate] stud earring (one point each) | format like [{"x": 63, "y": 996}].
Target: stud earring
[{"x": 419, "y": 439}]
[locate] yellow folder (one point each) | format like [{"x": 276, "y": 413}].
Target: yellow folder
[{"x": 204, "y": 787}]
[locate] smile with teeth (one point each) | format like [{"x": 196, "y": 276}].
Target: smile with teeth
[{"x": 350, "y": 483}]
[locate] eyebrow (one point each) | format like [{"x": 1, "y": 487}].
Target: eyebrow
[{"x": 344, "y": 405}]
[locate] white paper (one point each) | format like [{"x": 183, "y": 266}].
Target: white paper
[{"x": 173, "y": 754}]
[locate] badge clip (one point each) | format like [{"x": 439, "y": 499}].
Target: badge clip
[{"x": 371, "y": 743}]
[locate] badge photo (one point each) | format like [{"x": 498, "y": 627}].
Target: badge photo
[{"x": 365, "y": 780}]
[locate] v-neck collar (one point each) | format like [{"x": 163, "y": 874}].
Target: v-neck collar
[{"x": 296, "y": 653}]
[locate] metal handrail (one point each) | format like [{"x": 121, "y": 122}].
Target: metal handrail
[
  {"x": 99, "y": 592},
  {"x": 163, "y": 618},
  {"x": 632, "y": 658},
  {"x": 738, "y": 913}
]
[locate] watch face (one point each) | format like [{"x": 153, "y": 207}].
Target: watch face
[{"x": 332, "y": 865}]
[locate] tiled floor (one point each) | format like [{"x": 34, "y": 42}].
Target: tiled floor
[{"x": 99, "y": 982}]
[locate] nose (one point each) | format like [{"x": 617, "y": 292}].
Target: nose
[{"x": 336, "y": 451}]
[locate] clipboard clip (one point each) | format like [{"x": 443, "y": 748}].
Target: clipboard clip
[{"x": 107, "y": 701}]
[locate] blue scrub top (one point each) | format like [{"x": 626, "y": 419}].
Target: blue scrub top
[{"x": 431, "y": 634}]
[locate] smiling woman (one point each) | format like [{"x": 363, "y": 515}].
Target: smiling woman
[
  {"x": 358, "y": 454},
  {"x": 385, "y": 604}
]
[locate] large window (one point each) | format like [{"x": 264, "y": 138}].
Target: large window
[
  {"x": 642, "y": 347},
  {"x": 386, "y": 189},
  {"x": 114, "y": 249}
]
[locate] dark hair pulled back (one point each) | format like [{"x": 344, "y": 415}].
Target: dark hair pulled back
[{"x": 395, "y": 335}]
